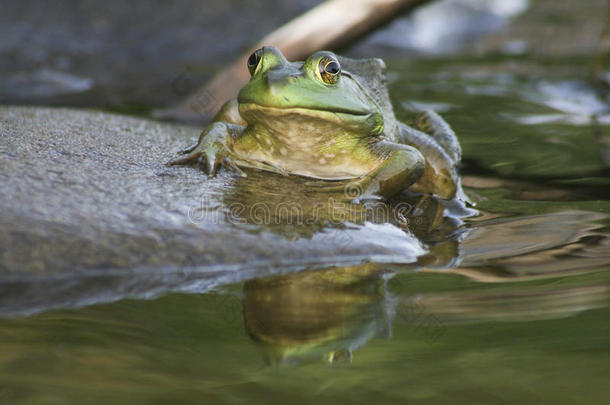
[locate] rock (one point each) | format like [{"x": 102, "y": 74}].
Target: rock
[{"x": 90, "y": 212}]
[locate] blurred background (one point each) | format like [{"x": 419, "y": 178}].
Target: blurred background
[
  {"x": 122, "y": 280},
  {"x": 143, "y": 54}
]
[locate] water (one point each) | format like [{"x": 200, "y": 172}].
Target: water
[{"x": 510, "y": 305}]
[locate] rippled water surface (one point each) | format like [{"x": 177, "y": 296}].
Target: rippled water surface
[{"x": 509, "y": 305}]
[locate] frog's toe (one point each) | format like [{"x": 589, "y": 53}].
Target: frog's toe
[
  {"x": 209, "y": 160},
  {"x": 199, "y": 157},
  {"x": 229, "y": 164},
  {"x": 189, "y": 149},
  {"x": 212, "y": 164},
  {"x": 193, "y": 157}
]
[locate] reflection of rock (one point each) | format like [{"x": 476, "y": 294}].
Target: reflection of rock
[
  {"x": 315, "y": 315},
  {"x": 513, "y": 305},
  {"x": 30, "y": 295},
  {"x": 565, "y": 243},
  {"x": 531, "y": 244},
  {"x": 513, "y": 251}
]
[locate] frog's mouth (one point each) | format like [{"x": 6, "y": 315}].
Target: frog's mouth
[
  {"x": 359, "y": 123},
  {"x": 273, "y": 110},
  {"x": 256, "y": 113}
]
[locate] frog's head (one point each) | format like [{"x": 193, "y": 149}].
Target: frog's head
[{"x": 314, "y": 93}]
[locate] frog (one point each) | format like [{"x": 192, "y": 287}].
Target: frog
[
  {"x": 329, "y": 118},
  {"x": 322, "y": 315}
]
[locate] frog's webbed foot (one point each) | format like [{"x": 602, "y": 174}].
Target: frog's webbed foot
[
  {"x": 211, "y": 151},
  {"x": 209, "y": 159}
]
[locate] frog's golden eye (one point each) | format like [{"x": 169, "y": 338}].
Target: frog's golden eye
[
  {"x": 330, "y": 70},
  {"x": 254, "y": 60}
]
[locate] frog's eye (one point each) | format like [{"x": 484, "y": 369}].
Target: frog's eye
[
  {"x": 329, "y": 69},
  {"x": 254, "y": 60}
]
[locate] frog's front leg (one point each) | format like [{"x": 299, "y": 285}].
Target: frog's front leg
[
  {"x": 228, "y": 113},
  {"x": 214, "y": 147},
  {"x": 401, "y": 166}
]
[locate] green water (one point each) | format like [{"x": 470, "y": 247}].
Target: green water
[{"x": 194, "y": 349}]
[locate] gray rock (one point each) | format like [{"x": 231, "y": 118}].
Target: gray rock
[{"x": 89, "y": 212}]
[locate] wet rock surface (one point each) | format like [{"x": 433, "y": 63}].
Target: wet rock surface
[{"x": 89, "y": 193}]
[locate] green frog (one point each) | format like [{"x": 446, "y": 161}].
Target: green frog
[{"x": 329, "y": 118}]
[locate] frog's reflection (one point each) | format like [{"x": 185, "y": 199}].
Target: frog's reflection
[
  {"x": 299, "y": 207},
  {"x": 325, "y": 315},
  {"x": 329, "y": 313},
  {"x": 317, "y": 315}
]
